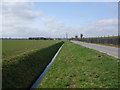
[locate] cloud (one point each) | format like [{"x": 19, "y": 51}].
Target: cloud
[
  {"x": 104, "y": 27},
  {"x": 17, "y": 0},
  {"x": 52, "y": 23},
  {"x": 19, "y": 10},
  {"x": 107, "y": 22},
  {"x": 0, "y": 19},
  {"x": 61, "y": 0},
  {"x": 18, "y": 19}
]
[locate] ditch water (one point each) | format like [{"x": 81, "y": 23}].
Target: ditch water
[{"x": 44, "y": 72}]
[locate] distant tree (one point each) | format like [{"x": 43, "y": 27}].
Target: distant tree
[{"x": 81, "y": 35}]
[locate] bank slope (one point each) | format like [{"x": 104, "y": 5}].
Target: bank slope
[
  {"x": 22, "y": 71},
  {"x": 80, "y": 67}
]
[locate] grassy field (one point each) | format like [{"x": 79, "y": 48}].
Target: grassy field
[
  {"x": 80, "y": 67},
  {"x": 12, "y": 48},
  {"x": 23, "y": 69}
]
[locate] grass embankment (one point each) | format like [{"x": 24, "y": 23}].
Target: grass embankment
[
  {"x": 103, "y": 37},
  {"x": 80, "y": 67},
  {"x": 111, "y": 45},
  {"x": 21, "y": 71}
]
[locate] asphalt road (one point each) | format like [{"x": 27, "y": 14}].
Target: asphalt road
[{"x": 113, "y": 51}]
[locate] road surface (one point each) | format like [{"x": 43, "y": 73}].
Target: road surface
[{"x": 113, "y": 51}]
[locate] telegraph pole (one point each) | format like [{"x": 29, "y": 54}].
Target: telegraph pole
[{"x": 66, "y": 35}]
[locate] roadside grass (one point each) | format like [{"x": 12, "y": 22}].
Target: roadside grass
[
  {"x": 103, "y": 37},
  {"x": 112, "y": 45},
  {"x": 12, "y": 48},
  {"x": 79, "y": 67},
  {"x": 21, "y": 71},
  {"x": 0, "y": 52}
]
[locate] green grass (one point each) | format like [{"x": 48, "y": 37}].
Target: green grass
[
  {"x": 0, "y": 50},
  {"x": 80, "y": 67},
  {"x": 22, "y": 70},
  {"x": 112, "y": 45},
  {"x": 103, "y": 37},
  {"x": 13, "y": 48}
]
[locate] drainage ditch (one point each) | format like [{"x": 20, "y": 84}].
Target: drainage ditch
[{"x": 38, "y": 81}]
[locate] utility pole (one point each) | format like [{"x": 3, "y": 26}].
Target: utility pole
[{"x": 66, "y": 35}]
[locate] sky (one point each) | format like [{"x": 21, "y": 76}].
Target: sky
[{"x": 55, "y": 19}]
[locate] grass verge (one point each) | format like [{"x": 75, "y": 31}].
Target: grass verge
[
  {"x": 104, "y": 37},
  {"x": 22, "y": 71},
  {"x": 111, "y": 45},
  {"x": 80, "y": 67}
]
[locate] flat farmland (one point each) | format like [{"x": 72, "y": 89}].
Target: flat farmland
[
  {"x": 11, "y": 48},
  {"x": 24, "y": 60},
  {"x": 75, "y": 66}
]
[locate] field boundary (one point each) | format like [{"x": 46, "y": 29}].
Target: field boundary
[
  {"x": 109, "y": 45},
  {"x": 37, "y": 82},
  {"x": 107, "y": 40}
]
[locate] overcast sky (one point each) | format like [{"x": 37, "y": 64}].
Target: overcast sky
[{"x": 54, "y": 19}]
